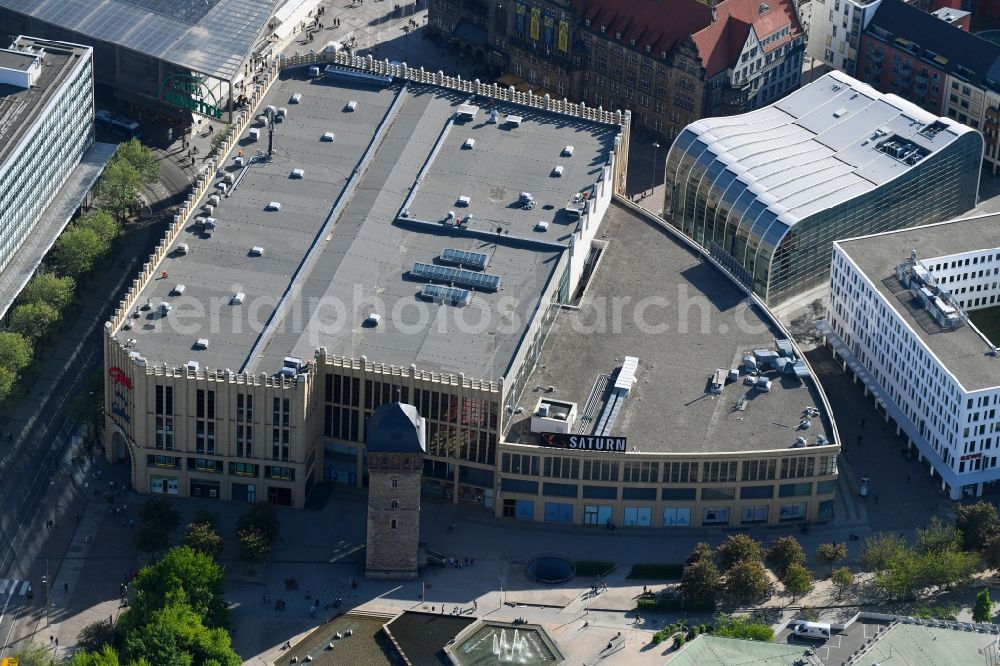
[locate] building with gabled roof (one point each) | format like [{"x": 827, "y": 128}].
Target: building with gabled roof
[{"x": 669, "y": 62}]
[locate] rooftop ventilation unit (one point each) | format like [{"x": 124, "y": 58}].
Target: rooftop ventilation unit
[
  {"x": 256, "y": 251},
  {"x": 298, "y": 173},
  {"x": 214, "y": 199},
  {"x": 622, "y": 387},
  {"x": 281, "y": 114},
  {"x": 567, "y": 151},
  {"x": 237, "y": 298},
  {"x": 469, "y": 144},
  {"x": 273, "y": 205},
  {"x": 208, "y": 223},
  {"x": 373, "y": 319},
  {"x": 229, "y": 179},
  {"x": 192, "y": 366},
  {"x": 931, "y": 296},
  {"x": 351, "y": 106},
  {"x": 201, "y": 343},
  {"x": 466, "y": 112},
  {"x": 254, "y": 133},
  {"x": 177, "y": 290},
  {"x": 557, "y": 171},
  {"x": 492, "y": 120},
  {"x": 542, "y": 226},
  {"x": 183, "y": 249},
  {"x": 297, "y": 97},
  {"x": 313, "y": 72},
  {"x": 463, "y": 201},
  {"x": 327, "y": 136},
  {"x": 840, "y": 113},
  {"x": 514, "y": 120}
]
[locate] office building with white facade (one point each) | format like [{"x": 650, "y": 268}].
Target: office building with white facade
[
  {"x": 46, "y": 130},
  {"x": 913, "y": 314},
  {"x": 835, "y": 28},
  {"x": 767, "y": 192}
]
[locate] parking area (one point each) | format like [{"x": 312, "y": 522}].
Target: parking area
[{"x": 840, "y": 645}]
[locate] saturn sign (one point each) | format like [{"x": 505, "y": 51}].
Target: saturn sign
[{"x": 584, "y": 442}]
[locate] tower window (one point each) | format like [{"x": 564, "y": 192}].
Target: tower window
[
  {"x": 393, "y": 524},
  {"x": 394, "y": 483},
  {"x": 395, "y": 504}
]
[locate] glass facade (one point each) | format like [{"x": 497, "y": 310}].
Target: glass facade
[
  {"x": 52, "y": 148},
  {"x": 727, "y": 215}
]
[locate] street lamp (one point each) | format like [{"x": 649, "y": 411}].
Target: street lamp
[{"x": 656, "y": 161}]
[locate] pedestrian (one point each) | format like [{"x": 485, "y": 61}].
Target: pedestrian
[
  {"x": 876, "y": 499},
  {"x": 65, "y": 587},
  {"x": 475, "y": 605},
  {"x": 57, "y": 641}
]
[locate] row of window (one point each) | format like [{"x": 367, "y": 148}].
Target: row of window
[
  {"x": 671, "y": 516},
  {"x": 216, "y": 467},
  {"x": 552, "y": 489}
]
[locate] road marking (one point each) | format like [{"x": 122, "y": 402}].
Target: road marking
[{"x": 10, "y": 587}]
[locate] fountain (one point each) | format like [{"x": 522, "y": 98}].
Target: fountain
[{"x": 489, "y": 643}]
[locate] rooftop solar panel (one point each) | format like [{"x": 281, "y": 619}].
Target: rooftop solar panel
[
  {"x": 456, "y": 276},
  {"x": 476, "y": 260}
]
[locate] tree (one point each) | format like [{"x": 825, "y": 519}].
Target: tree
[
  {"x": 50, "y": 289},
  {"x": 880, "y": 549},
  {"x": 991, "y": 554},
  {"x": 829, "y": 554},
  {"x": 978, "y": 524},
  {"x": 203, "y": 538},
  {"x": 702, "y": 551},
  {"x": 842, "y": 579},
  {"x": 34, "y": 654},
  {"x": 33, "y": 320},
  {"x": 119, "y": 187},
  {"x": 159, "y": 519},
  {"x": 160, "y": 511},
  {"x": 78, "y": 250},
  {"x": 140, "y": 158},
  {"x": 264, "y": 519},
  {"x": 96, "y": 636},
  {"x": 15, "y": 351},
  {"x": 746, "y": 581},
  {"x": 101, "y": 223},
  {"x": 7, "y": 378},
  {"x": 728, "y": 626},
  {"x": 983, "y": 610},
  {"x": 175, "y": 634},
  {"x": 106, "y": 656},
  {"x": 785, "y": 552},
  {"x": 938, "y": 536},
  {"x": 254, "y": 547},
  {"x": 737, "y": 548},
  {"x": 700, "y": 581},
  {"x": 183, "y": 575},
  {"x": 798, "y": 581}
]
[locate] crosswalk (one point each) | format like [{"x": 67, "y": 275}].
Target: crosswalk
[{"x": 14, "y": 588}]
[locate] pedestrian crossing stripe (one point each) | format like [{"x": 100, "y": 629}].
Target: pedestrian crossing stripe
[{"x": 17, "y": 588}]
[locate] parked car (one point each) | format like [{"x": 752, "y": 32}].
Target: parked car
[
  {"x": 865, "y": 486},
  {"x": 813, "y": 630}
]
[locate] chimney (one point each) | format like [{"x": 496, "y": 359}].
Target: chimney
[{"x": 713, "y": 15}]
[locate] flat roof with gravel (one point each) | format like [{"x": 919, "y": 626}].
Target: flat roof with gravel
[
  {"x": 962, "y": 351},
  {"x": 337, "y": 250},
  {"x": 652, "y": 298}
]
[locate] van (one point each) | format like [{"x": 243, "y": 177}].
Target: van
[{"x": 819, "y": 631}]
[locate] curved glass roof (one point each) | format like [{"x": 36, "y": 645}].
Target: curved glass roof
[
  {"x": 824, "y": 144},
  {"x": 210, "y": 37}
]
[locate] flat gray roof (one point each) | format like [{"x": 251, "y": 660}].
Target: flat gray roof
[
  {"x": 15, "y": 59},
  {"x": 961, "y": 350},
  {"x": 20, "y": 107},
  {"x": 362, "y": 265},
  {"x": 695, "y": 321},
  {"x": 211, "y": 37}
]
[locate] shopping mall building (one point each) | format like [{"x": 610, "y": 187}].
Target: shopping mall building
[{"x": 457, "y": 247}]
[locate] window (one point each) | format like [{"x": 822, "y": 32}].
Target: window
[
  {"x": 394, "y": 483},
  {"x": 637, "y": 516},
  {"x": 394, "y": 504},
  {"x": 676, "y": 517},
  {"x": 393, "y": 524}
]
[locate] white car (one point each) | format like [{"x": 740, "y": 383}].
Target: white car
[{"x": 865, "y": 486}]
